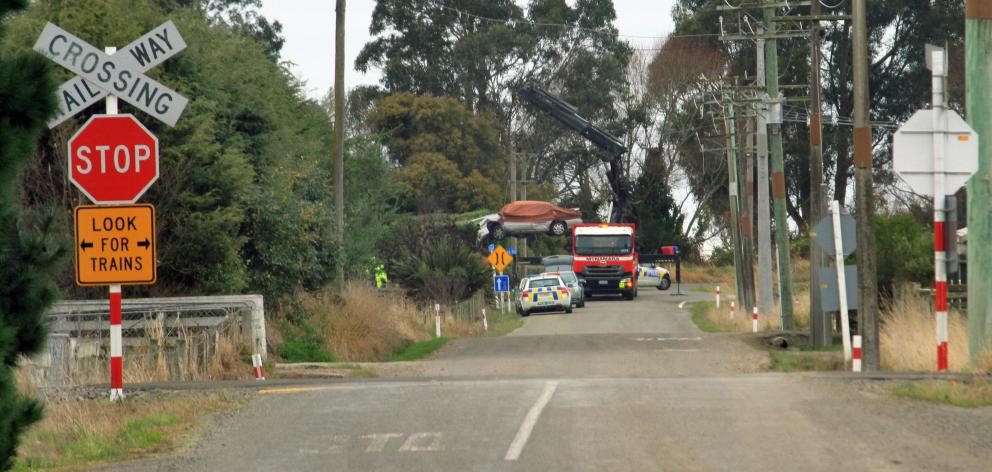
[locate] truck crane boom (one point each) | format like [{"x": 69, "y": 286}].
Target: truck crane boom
[{"x": 612, "y": 147}]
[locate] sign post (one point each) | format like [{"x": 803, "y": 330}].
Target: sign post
[
  {"x": 921, "y": 148},
  {"x": 113, "y": 160},
  {"x": 845, "y": 321}
]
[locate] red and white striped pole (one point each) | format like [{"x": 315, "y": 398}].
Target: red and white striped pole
[
  {"x": 116, "y": 346},
  {"x": 257, "y": 366},
  {"x": 939, "y": 244},
  {"x": 856, "y": 353},
  {"x": 754, "y": 319},
  {"x": 733, "y": 310},
  {"x": 718, "y": 296}
]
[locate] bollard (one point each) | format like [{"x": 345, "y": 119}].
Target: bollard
[
  {"x": 856, "y": 354},
  {"x": 437, "y": 320},
  {"x": 718, "y": 296},
  {"x": 257, "y": 367},
  {"x": 754, "y": 320},
  {"x": 733, "y": 310},
  {"x": 485, "y": 322}
]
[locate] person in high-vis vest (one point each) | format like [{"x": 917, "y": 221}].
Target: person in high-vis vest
[{"x": 381, "y": 279}]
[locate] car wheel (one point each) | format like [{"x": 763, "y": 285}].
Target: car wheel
[
  {"x": 525, "y": 313},
  {"x": 664, "y": 283},
  {"x": 496, "y": 231},
  {"x": 568, "y": 310},
  {"x": 581, "y": 304},
  {"x": 558, "y": 228},
  {"x": 628, "y": 295}
]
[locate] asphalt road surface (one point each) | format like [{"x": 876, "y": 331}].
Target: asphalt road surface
[{"x": 616, "y": 386}]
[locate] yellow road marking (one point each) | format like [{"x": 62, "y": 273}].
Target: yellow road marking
[{"x": 266, "y": 391}]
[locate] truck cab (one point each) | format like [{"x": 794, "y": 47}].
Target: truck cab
[{"x": 605, "y": 256}]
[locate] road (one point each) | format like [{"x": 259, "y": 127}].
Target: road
[{"x": 616, "y": 386}]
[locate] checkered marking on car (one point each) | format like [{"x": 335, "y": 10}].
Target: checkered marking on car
[{"x": 555, "y": 292}]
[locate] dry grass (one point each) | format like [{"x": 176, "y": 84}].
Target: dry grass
[
  {"x": 76, "y": 433},
  {"x": 362, "y": 324},
  {"x": 908, "y": 333},
  {"x": 721, "y": 320}
]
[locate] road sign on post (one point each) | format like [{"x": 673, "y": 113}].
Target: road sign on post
[
  {"x": 501, "y": 283},
  {"x": 823, "y": 233},
  {"x": 913, "y": 151},
  {"x": 113, "y": 159},
  {"x": 500, "y": 259},
  {"x": 115, "y": 245}
]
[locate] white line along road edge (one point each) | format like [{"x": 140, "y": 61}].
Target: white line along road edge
[{"x": 523, "y": 434}]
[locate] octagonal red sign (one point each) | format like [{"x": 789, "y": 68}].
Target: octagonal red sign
[{"x": 113, "y": 159}]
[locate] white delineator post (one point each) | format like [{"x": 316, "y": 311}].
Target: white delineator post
[
  {"x": 437, "y": 320},
  {"x": 733, "y": 310},
  {"x": 939, "y": 244},
  {"x": 116, "y": 335},
  {"x": 754, "y": 319},
  {"x": 485, "y": 322},
  {"x": 718, "y": 296},
  {"x": 845, "y": 321},
  {"x": 856, "y": 361}
]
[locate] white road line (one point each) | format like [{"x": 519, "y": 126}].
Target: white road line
[
  {"x": 681, "y": 305},
  {"x": 523, "y": 434}
]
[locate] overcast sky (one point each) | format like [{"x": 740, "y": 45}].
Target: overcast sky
[{"x": 308, "y": 26}]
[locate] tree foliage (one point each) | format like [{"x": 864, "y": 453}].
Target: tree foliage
[{"x": 29, "y": 252}]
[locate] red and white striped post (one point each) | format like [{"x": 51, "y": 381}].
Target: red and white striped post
[
  {"x": 939, "y": 244},
  {"x": 733, "y": 310},
  {"x": 116, "y": 346},
  {"x": 258, "y": 367},
  {"x": 718, "y": 296},
  {"x": 754, "y": 319},
  {"x": 856, "y": 354}
]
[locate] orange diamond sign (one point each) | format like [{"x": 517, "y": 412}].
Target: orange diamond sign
[{"x": 499, "y": 258}]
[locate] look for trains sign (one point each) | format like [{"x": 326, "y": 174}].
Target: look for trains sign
[{"x": 115, "y": 245}]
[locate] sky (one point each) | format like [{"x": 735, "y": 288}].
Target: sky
[{"x": 308, "y": 26}]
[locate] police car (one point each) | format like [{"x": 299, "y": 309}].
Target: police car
[{"x": 541, "y": 293}]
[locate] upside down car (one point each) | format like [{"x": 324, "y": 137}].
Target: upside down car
[{"x": 528, "y": 217}]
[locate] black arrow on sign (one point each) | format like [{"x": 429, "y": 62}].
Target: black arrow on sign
[
  {"x": 85, "y": 245},
  {"x": 145, "y": 244}
]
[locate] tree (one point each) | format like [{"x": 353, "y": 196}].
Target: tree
[{"x": 30, "y": 254}]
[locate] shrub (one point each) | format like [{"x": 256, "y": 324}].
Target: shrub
[
  {"x": 904, "y": 248},
  {"x": 443, "y": 270}
]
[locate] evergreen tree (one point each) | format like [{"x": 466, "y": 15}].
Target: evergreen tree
[{"x": 28, "y": 257}]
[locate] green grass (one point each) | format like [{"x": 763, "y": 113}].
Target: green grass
[
  {"x": 419, "y": 350},
  {"x": 698, "y": 310},
  {"x": 702, "y": 290},
  {"x": 79, "y": 433},
  {"x": 304, "y": 349},
  {"x": 960, "y": 394},
  {"x": 785, "y": 361},
  {"x": 812, "y": 348}
]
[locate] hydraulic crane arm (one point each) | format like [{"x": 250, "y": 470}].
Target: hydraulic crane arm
[{"x": 612, "y": 147}]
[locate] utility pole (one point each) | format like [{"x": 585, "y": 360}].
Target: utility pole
[
  {"x": 864, "y": 199},
  {"x": 821, "y": 328},
  {"x": 978, "y": 96},
  {"x": 746, "y": 177},
  {"x": 765, "y": 297},
  {"x": 339, "y": 136},
  {"x": 730, "y": 129},
  {"x": 778, "y": 171}
]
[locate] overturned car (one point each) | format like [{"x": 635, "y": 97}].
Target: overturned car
[{"x": 528, "y": 217}]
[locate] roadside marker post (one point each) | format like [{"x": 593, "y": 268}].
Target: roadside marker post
[
  {"x": 437, "y": 320},
  {"x": 485, "y": 322},
  {"x": 732, "y": 310},
  {"x": 754, "y": 319},
  {"x": 718, "y": 296},
  {"x": 116, "y": 346},
  {"x": 258, "y": 367},
  {"x": 939, "y": 243},
  {"x": 856, "y": 353}
]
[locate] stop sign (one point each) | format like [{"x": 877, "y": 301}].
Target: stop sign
[{"x": 113, "y": 159}]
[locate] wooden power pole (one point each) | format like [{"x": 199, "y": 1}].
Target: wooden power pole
[
  {"x": 339, "y": 136},
  {"x": 978, "y": 92},
  {"x": 864, "y": 197},
  {"x": 821, "y": 329}
]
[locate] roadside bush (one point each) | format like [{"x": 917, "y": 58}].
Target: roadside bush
[
  {"x": 443, "y": 270},
  {"x": 905, "y": 251}
]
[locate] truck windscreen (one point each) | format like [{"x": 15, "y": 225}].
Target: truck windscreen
[{"x": 603, "y": 245}]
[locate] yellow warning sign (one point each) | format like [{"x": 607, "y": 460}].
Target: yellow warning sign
[
  {"x": 115, "y": 245},
  {"x": 499, "y": 258}
]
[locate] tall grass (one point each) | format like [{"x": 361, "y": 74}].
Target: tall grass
[{"x": 907, "y": 336}]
